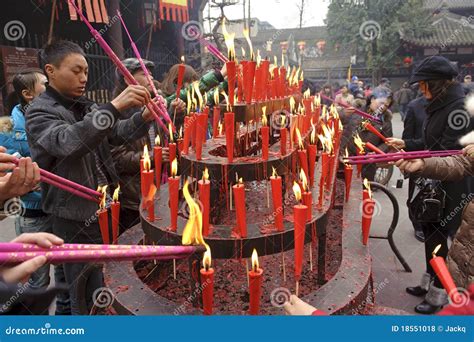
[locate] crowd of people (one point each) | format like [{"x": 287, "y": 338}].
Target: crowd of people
[{"x": 52, "y": 125}]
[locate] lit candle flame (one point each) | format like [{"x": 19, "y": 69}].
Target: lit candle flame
[
  {"x": 174, "y": 167},
  {"x": 283, "y": 121},
  {"x": 367, "y": 186},
  {"x": 157, "y": 140},
  {"x": 220, "y": 127},
  {"x": 317, "y": 100},
  {"x": 192, "y": 233},
  {"x": 229, "y": 41},
  {"x": 182, "y": 59},
  {"x": 146, "y": 159},
  {"x": 436, "y": 250},
  {"x": 206, "y": 260},
  {"x": 304, "y": 180},
  {"x": 180, "y": 133},
  {"x": 300, "y": 140},
  {"x": 216, "y": 96},
  {"x": 275, "y": 61},
  {"x": 226, "y": 101},
  {"x": 170, "y": 128},
  {"x": 259, "y": 58},
  {"x": 205, "y": 174},
  {"x": 297, "y": 191},
  {"x": 249, "y": 42},
  {"x": 198, "y": 92},
  {"x": 103, "y": 190},
  {"x": 359, "y": 143},
  {"x": 255, "y": 264},
  {"x": 292, "y": 105},
  {"x": 188, "y": 101},
  {"x": 264, "y": 115},
  {"x": 302, "y": 75},
  {"x": 274, "y": 172},
  {"x": 243, "y": 52},
  {"x": 307, "y": 94},
  {"x": 313, "y": 133},
  {"x": 116, "y": 193}
]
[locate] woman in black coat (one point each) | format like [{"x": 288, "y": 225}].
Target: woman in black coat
[{"x": 446, "y": 122}]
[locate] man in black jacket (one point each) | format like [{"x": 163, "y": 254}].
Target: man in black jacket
[{"x": 70, "y": 136}]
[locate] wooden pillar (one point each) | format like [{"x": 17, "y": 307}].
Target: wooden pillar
[{"x": 115, "y": 30}]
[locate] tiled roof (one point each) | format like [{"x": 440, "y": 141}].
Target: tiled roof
[
  {"x": 450, "y": 4},
  {"x": 448, "y": 29}
]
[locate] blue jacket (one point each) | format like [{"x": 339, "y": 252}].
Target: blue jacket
[{"x": 15, "y": 141}]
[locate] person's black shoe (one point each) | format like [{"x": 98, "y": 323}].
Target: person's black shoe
[
  {"x": 426, "y": 308},
  {"x": 419, "y": 236},
  {"x": 417, "y": 291}
]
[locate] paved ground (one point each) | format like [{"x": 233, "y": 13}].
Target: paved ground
[{"x": 390, "y": 279}]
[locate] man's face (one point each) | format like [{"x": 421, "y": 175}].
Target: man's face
[
  {"x": 344, "y": 90},
  {"x": 467, "y": 79},
  {"x": 69, "y": 78},
  {"x": 142, "y": 79},
  {"x": 361, "y": 84}
]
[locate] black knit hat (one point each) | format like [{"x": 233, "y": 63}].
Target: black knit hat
[
  {"x": 133, "y": 65},
  {"x": 434, "y": 68}
]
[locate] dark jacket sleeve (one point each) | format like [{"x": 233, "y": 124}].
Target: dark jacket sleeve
[
  {"x": 126, "y": 160},
  {"x": 129, "y": 129},
  {"x": 412, "y": 143},
  {"x": 452, "y": 168},
  {"x": 62, "y": 139}
]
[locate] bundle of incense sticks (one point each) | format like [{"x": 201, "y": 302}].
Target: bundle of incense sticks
[
  {"x": 153, "y": 107},
  {"x": 14, "y": 253},
  {"x": 391, "y": 157},
  {"x": 357, "y": 111},
  {"x": 67, "y": 185},
  {"x": 210, "y": 47}
]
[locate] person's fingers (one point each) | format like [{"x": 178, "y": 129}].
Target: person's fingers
[
  {"x": 23, "y": 270},
  {"x": 6, "y": 158},
  {"x": 2, "y": 149},
  {"x": 45, "y": 240},
  {"x": 399, "y": 162},
  {"x": 36, "y": 173},
  {"x": 6, "y": 166},
  {"x": 29, "y": 172},
  {"x": 22, "y": 171}
]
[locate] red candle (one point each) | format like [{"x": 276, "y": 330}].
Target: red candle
[
  {"x": 265, "y": 132},
  {"x": 265, "y": 66},
  {"x": 204, "y": 197},
  {"x": 371, "y": 128},
  {"x": 283, "y": 139},
  {"x": 240, "y": 211},
  {"x": 348, "y": 179},
  {"x": 147, "y": 175},
  {"x": 368, "y": 205},
  {"x": 187, "y": 134},
  {"x": 173, "y": 186},
  {"x": 302, "y": 154},
  {"x": 171, "y": 147},
  {"x": 103, "y": 215},
  {"x": 441, "y": 270},
  {"x": 158, "y": 157},
  {"x": 200, "y": 132},
  {"x": 193, "y": 130},
  {"x": 312, "y": 152},
  {"x": 240, "y": 81},
  {"x": 231, "y": 74},
  {"x": 115, "y": 210},
  {"x": 249, "y": 75},
  {"x": 307, "y": 195},
  {"x": 276, "y": 183},
  {"x": 149, "y": 202},
  {"x": 255, "y": 285},
  {"x": 322, "y": 179},
  {"x": 374, "y": 148},
  {"x": 229, "y": 135},
  {"x": 207, "y": 283},
  {"x": 300, "y": 214},
  {"x": 330, "y": 173},
  {"x": 181, "y": 70},
  {"x": 203, "y": 123},
  {"x": 215, "y": 120}
]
